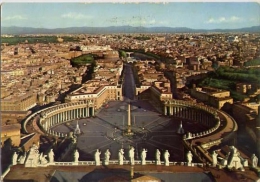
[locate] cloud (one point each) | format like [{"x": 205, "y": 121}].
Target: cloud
[
  {"x": 77, "y": 16},
  {"x": 141, "y": 21},
  {"x": 15, "y": 17},
  {"x": 256, "y": 20},
  {"x": 232, "y": 19},
  {"x": 136, "y": 21},
  {"x": 163, "y": 22}
]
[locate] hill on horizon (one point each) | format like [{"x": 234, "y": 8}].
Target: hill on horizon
[{"x": 14, "y": 30}]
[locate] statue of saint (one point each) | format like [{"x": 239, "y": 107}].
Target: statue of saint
[
  {"x": 15, "y": 156},
  {"x": 121, "y": 157},
  {"x": 107, "y": 156},
  {"x": 254, "y": 160},
  {"x": 132, "y": 155},
  {"x": 74, "y": 139},
  {"x": 76, "y": 156},
  {"x": 22, "y": 159},
  {"x": 143, "y": 156},
  {"x": 166, "y": 158},
  {"x": 42, "y": 159},
  {"x": 214, "y": 158},
  {"x": 189, "y": 157},
  {"x": 97, "y": 157},
  {"x": 51, "y": 156},
  {"x": 158, "y": 157}
]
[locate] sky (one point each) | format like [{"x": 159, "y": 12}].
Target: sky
[{"x": 197, "y": 15}]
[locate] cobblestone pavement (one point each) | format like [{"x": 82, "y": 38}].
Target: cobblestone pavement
[{"x": 107, "y": 131}]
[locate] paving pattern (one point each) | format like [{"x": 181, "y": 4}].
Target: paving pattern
[{"x": 107, "y": 131}]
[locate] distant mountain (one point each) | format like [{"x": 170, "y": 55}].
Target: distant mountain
[{"x": 117, "y": 29}]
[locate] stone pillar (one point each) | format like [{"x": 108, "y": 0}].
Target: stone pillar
[
  {"x": 171, "y": 110},
  {"x": 48, "y": 123},
  {"x": 165, "y": 110},
  {"x": 55, "y": 120},
  {"x": 80, "y": 112},
  {"x": 86, "y": 109},
  {"x": 64, "y": 116},
  {"x": 93, "y": 111},
  {"x": 51, "y": 121},
  {"x": 45, "y": 124}
]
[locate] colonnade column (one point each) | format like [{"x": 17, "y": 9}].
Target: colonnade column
[
  {"x": 80, "y": 112},
  {"x": 58, "y": 118},
  {"x": 77, "y": 113},
  {"x": 51, "y": 123},
  {"x": 86, "y": 110}
]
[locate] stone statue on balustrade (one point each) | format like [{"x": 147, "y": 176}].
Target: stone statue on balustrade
[
  {"x": 74, "y": 139},
  {"x": 22, "y": 158},
  {"x": 143, "y": 156},
  {"x": 97, "y": 157},
  {"x": 51, "y": 156},
  {"x": 235, "y": 160},
  {"x": 158, "y": 157},
  {"x": 121, "y": 156},
  {"x": 166, "y": 158},
  {"x": 214, "y": 159},
  {"x": 189, "y": 158},
  {"x": 14, "y": 159},
  {"x": 107, "y": 156},
  {"x": 32, "y": 160},
  {"x": 254, "y": 160},
  {"x": 76, "y": 156},
  {"x": 42, "y": 159},
  {"x": 132, "y": 155}
]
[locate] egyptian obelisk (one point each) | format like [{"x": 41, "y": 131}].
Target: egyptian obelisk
[{"x": 129, "y": 119}]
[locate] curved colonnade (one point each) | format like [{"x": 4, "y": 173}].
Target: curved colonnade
[
  {"x": 220, "y": 126},
  {"x": 205, "y": 115},
  {"x": 58, "y": 114}
]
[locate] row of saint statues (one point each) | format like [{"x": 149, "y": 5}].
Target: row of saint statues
[
  {"x": 131, "y": 154},
  {"x": 33, "y": 158}
]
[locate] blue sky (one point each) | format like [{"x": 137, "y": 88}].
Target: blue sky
[{"x": 172, "y": 14}]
